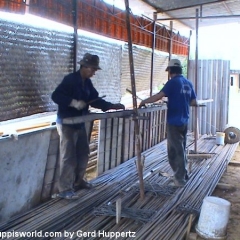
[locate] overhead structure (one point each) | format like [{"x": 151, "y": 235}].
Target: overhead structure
[{"x": 211, "y": 12}]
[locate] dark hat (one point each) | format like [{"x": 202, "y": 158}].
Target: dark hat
[
  {"x": 174, "y": 63},
  {"x": 90, "y": 60}
]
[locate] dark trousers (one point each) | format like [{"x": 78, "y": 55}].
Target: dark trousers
[
  {"x": 74, "y": 150},
  {"x": 176, "y": 146}
]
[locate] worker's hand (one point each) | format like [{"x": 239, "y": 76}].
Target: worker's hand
[
  {"x": 118, "y": 106},
  {"x": 142, "y": 104},
  {"x": 78, "y": 104}
]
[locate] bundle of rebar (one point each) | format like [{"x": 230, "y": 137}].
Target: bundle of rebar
[{"x": 163, "y": 213}]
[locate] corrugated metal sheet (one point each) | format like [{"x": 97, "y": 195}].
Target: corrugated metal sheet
[
  {"x": 104, "y": 19},
  {"x": 213, "y": 83},
  {"x": 34, "y": 60},
  {"x": 142, "y": 67},
  {"x": 108, "y": 80},
  {"x": 187, "y": 9}
]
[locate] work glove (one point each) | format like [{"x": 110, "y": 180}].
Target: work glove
[
  {"x": 78, "y": 104},
  {"x": 118, "y": 106},
  {"x": 142, "y": 104}
]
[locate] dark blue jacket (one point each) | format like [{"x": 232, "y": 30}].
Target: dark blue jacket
[{"x": 71, "y": 88}]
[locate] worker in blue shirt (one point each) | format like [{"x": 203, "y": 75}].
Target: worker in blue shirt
[
  {"x": 73, "y": 95},
  {"x": 181, "y": 95}
]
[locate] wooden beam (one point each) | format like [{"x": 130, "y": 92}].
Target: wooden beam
[
  {"x": 118, "y": 210},
  {"x": 114, "y": 114},
  {"x": 225, "y": 186},
  {"x": 234, "y": 163}
]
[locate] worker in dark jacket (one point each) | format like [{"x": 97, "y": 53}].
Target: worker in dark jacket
[
  {"x": 181, "y": 95},
  {"x": 72, "y": 96}
]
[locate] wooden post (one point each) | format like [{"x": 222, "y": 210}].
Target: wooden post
[
  {"x": 189, "y": 226},
  {"x": 135, "y": 107},
  {"x": 196, "y": 81},
  {"x": 75, "y": 34},
  {"x": 118, "y": 210}
]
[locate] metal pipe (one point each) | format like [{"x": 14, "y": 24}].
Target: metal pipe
[
  {"x": 75, "y": 35},
  {"x": 170, "y": 44},
  {"x": 196, "y": 81},
  {"x": 170, "y": 40},
  {"x": 206, "y": 17},
  {"x": 153, "y": 48}
]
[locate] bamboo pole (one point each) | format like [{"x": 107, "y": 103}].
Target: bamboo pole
[{"x": 135, "y": 108}]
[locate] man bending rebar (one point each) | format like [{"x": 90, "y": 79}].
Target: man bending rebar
[
  {"x": 181, "y": 95},
  {"x": 74, "y": 95}
]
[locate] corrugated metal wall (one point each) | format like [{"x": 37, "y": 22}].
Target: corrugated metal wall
[
  {"x": 142, "y": 68},
  {"x": 34, "y": 60},
  {"x": 108, "y": 80},
  {"x": 213, "y": 82},
  {"x": 101, "y": 18}
]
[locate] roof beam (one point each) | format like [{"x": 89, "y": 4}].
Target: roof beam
[
  {"x": 205, "y": 17},
  {"x": 228, "y": 9},
  {"x": 163, "y": 6}
]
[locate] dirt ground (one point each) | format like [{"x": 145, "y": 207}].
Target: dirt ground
[{"x": 229, "y": 189}]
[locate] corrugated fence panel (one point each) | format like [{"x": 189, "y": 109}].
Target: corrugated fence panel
[
  {"x": 226, "y": 92},
  {"x": 142, "y": 68},
  {"x": 35, "y": 60},
  {"x": 32, "y": 61},
  {"x": 108, "y": 80},
  {"x": 213, "y": 83}
]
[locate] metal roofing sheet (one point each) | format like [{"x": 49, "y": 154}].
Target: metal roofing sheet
[{"x": 210, "y": 12}]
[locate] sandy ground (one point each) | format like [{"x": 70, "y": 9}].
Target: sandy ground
[
  {"x": 232, "y": 178},
  {"x": 230, "y": 190}
]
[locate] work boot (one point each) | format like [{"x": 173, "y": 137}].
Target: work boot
[
  {"x": 177, "y": 183},
  {"x": 68, "y": 195},
  {"x": 83, "y": 185}
]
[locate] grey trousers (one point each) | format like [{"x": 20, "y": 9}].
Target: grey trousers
[
  {"x": 74, "y": 151},
  {"x": 176, "y": 146}
]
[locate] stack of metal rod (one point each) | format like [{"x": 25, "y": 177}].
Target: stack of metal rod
[{"x": 162, "y": 214}]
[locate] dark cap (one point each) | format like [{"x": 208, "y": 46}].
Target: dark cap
[
  {"x": 90, "y": 60},
  {"x": 174, "y": 63}
]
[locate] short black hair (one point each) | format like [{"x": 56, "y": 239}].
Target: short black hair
[{"x": 176, "y": 70}]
